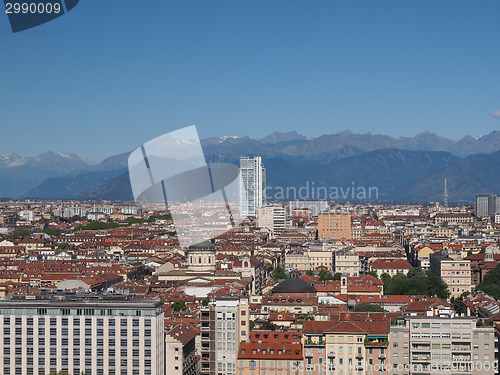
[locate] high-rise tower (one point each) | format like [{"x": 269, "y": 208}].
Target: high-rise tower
[{"x": 251, "y": 185}]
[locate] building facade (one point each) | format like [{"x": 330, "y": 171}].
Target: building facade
[
  {"x": 425, "y": 345},
  {"x": 103, "y": 337},
  {"x": 347, "y": 263},
  {"x": 334, "y": 226},
  {"x": 251, "y": 185},
  {"x": 487, "y": 205},
  {"x": 224, "y": 324},
  {"x": 272, "y": 218},
  {"x": 456, "y": 273}
]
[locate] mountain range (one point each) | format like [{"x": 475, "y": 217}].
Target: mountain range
[{"x": 405, "y": 169}]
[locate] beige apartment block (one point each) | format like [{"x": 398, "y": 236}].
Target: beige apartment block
[
  {"x": 429, "y": 345},
  {"x": 334, "y": 226},
  {"x": 456, "y": 273},
  {"x": 347, "y": 263}
]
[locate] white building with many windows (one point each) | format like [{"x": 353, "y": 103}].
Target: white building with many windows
[{"x": 97, "y": 337}]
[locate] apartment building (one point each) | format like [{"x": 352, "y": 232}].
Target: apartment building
[
  {"x": 272, "y": 218},
  {"x": 97, "y": 337},
  {"x": 345, "y": 347},
  {"x": 224, "y": 324},
  {"x": 431, "y": 344},
  {"x": 180, "y": 351},
  {"x": 334, "y": 226},
  {"x": 347, "y": 263},
  {"x": 271, "y": 352},
  {"x": 456, "y": 273},
  {"x": 320, "y": 256},
  {"x": 390, "y": 266}
]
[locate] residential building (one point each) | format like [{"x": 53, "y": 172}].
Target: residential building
[
  {"x": 456, "y": 273},
  {"x": 390, "y": 266},
  {"x": 271, "y": 352},
  {"x": 180, "y": 351},
  {"x": 272, "y": 218},
  {"x": 251, "y": 185},
  {"x": 224, "y": 324},
  {"x": 487, "y": 205},
  {"x": 345, "y": 347},
  {"x": 334, "y": 226},
  {"x": 347, "y": 263},
  {"x": 320, "y": 256},
  {"x": 427, "y": 344},
  {"x": 97, "y": 337}
]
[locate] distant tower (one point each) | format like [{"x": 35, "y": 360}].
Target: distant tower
[
  {"x": 251, "y": 185},
  {"x": 445, "y": 194}
]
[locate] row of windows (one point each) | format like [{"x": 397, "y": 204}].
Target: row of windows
[
  {"x": 76, "y": 321},
  {"x": 88, "y": 370},
  {"x": 76, "y": 362},
  {"x": 441, "y": 325},
  {"x": 76, "y": 352},
  {"x": 76, "y": 341}
]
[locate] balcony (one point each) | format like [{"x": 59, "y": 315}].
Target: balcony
[
  {"x": 331, "y": 355},
  {"x": 460, "y": 348},
  {"x": 310, "y": 342},
  {"x": 382, "y": 356},
  {"x": 360, "y": 356},
  {"x": 308, "y": 355},
  {"x": 421, "y": 358},
  {"x": 461, "y": 358},
  {"x": 378, "y": 344}
]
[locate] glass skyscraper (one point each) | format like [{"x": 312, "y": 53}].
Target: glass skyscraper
[{"x": 251, "y": 185}]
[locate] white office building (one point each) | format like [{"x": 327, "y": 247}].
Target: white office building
[{"x": 96, "y": 337}]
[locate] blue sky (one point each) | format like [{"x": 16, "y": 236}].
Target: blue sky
[{"x": 112, "y": 74}]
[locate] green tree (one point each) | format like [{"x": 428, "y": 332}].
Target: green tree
[
  {"x": 436, "y": 286},
  {"x": 205, "y": 301},
  {"x": 417, "y": 283},
  {"x": 51, "y": 232},
  {"x": 96, "y": 225},
  {"x": 415, "y": 272},
  {"x": 368, "y": 307},
  {"x": 386, "y": 279},
  {"x": 64, "y": 246},
  {"x": 20, "y": 234},
  {"x": 279, "y": 273},
  {"x": 178, "y": 305},
  {"x": 252, "y": 325},
  {"x": 309, "y": 273},
  {"x": 325, "y": 275},
  {"x": 491, "y": 283},
  {"x": 337, "y": 276}
]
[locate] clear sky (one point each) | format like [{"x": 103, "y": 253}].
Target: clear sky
[{"x": 112, "y": 74}]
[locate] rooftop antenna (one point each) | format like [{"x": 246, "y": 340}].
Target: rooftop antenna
[{"x": 445, "y": 194}]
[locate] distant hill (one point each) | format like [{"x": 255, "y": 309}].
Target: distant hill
[
  {"x": 18, "y": 174},
  {"x": 405, "y": 168},
  {"x": 388, "y": 171}
]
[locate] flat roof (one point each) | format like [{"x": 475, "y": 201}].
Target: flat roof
[{"x": 108, "y": 304}]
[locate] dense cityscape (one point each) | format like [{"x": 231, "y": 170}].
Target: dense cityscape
[{"x": 299, "y": 287}]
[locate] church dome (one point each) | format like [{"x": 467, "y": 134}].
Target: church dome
[{"x": 294, "y": 286}]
